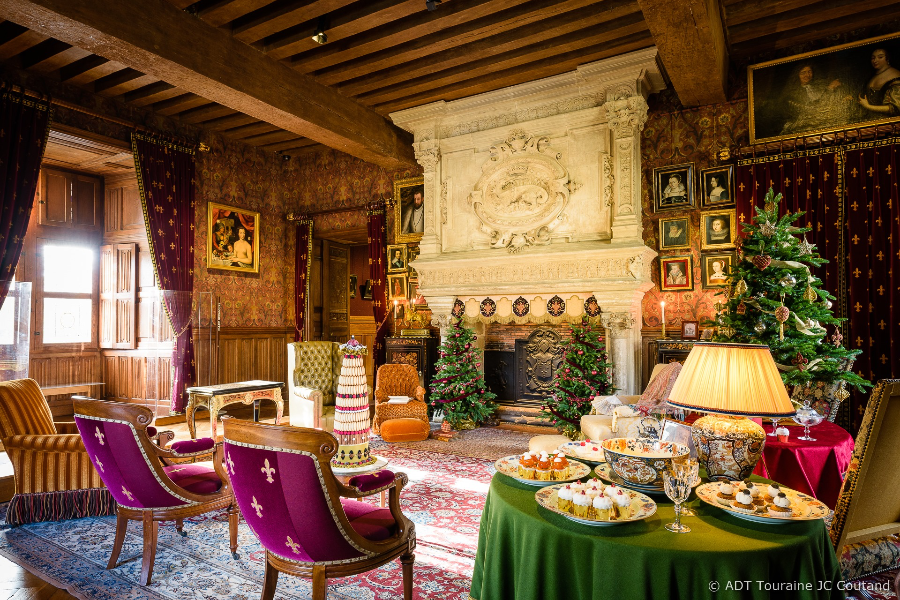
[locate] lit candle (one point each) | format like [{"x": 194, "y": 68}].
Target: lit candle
[
  {"x": 662, "y": 306},
  {"x": 396, "y": 302}
]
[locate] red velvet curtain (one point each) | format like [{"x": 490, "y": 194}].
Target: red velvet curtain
[
  {"x": 24, "y": 124},
  {"x": 872, "y": 205},
  {"x": 165, "y": 174},
  {"x": 378, "y": 274},
  {"x": 302, "y": 263}
]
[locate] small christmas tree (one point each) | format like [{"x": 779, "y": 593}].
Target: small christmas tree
[
  {"x": 458, "y": 388},
  {"x": 583, "y": 374},
  {"x": 774, "y": 299}
]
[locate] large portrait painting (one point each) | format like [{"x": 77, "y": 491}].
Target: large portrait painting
[
  {"x": 232, "y": 238},
  {"x": 409, "y": 209},
  {"x": 843, "y": 87},
  {"x": 673, "y": 187},
  {"x": 676, "y": 273}
]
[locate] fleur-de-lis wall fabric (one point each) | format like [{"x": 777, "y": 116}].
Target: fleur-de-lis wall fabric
[
  {"x": 166, "y": 180},
  {"x": 24, "y": 124},
  {"x": 378, "y": 274}
]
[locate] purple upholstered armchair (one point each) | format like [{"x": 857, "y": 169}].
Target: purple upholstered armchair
[
  {"x": 302, "y": 514},
  {"x": 130, "y": 464}
]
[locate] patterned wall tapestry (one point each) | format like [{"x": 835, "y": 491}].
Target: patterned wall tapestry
[{"x": 673, "y": 137}]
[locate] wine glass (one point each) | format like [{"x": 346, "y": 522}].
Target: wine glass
[
  {"x": 808, "y": 417},
  {"x": 677, "y": 482},
  {"x": 774, "y": 426},
  {"x": 694, "y": 466}
]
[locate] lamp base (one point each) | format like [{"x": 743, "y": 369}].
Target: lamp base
[{"x": 728, "y": 447}]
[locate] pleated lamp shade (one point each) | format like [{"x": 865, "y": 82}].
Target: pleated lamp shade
[{"x": 731, "y": 379}]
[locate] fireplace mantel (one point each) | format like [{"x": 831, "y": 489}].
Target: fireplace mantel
[{"x": 533, "y": 192}]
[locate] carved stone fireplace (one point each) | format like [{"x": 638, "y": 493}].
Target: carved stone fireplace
[{"x": 533, "y": 202}]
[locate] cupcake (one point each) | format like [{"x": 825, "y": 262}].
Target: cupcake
[
  {"x": 595, "y": 483},
  {"x": 602, "y": 508},
  {"x": 754, "y": 492},
  {"x": 782, "y": 433},
  {"x": 527, "y": 464},
  {"x": 726, "y": 493},
  {"x": 612, "y": 489},
  {"x": 743, "y": 502},
  {"x": 543, "y": 467},
  {"x": 560, "y": 469},
  {"x": 781, "y": 507},
  {"x": 592, "y": 492},
  {"x": 577, "y": 487},
  {"x": 564, "y": 497},
  {"x": 561, "y": 456},
  {"x": 580, "y": 505},
  {"x": 623, "y": 504},
  {"x": 772, "y": 492}
]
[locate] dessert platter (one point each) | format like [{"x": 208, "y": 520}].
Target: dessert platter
[
  {"x": 586, "y": 450},
  {"x": 762, "y": 503},
  {"x": 595, "y": 504},
  {"x": 542, "y": 468},
  {"x": 605, "y": 472}
]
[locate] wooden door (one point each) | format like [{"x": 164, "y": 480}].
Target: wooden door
[
  {"x": 336, "y": 286},
  {"x": 85, "y": 200},
  {"x": 55, "y": 198}
]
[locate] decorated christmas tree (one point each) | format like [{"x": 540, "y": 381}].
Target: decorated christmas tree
[
  {"x": 458, "y": 388},
  {"x": 583, "y": 374},
  {"x": 774, "y": 299}
]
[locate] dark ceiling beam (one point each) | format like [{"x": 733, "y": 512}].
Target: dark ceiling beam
[
  {"x": 156, "y": 38},
  {"x": 155, "y": 92},
  {"x": 514, "y": 76},
  {"x": 514, "y": 20},
  {"x": 80, "y": 67},
  {"x": 587, "y": 40},
  {"x": 229, "y": 122},
  {"x": 17, "y": 41},
  {"x": 285, "y": 145},
  {"x": 205, "y": 113},
  {"x": 280, "y": 15},
  {"x": 220, "y": 12},
  {"x": 177, "y": 104},
  {"x": 691, "y": 40},
  {"x": 544, "y": 34},
  {"x": 121, "y": 82},
  {"x": 743, "y": 11},
  {"x": 341, "y": 24},
  {"x": 269, "y": 138},
  {"x": 239, "y": 133},
  {"x": 402, "y": 31}
]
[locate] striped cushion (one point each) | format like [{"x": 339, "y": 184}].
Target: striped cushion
[{"x": 23, "y": 409}]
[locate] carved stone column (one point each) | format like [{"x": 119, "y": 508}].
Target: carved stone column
[
  {"x": 620, "y": 332},
  {"x": 626, "y": 112},
  {"x": 441, "y": 307}
]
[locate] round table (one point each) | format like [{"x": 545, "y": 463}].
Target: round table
[
  {"x": 527, "y": 552},
  {"x": 815, "y": 468}
]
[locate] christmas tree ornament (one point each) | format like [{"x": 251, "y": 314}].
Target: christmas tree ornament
[
  {"x": 810, "y": 294},
  {"x": 782, "y": 313},
  {"x": 805, "y": 248},
  {"x": 726, "y": 331},
  {"x": 828, "y": 304},
  {"x": 759, "y": 327},
  {"x": 767, "y": 229},
  {"x": 762, "y": 261},
  {"x": 718, "y": 306},
  {"x": 836, "y": 338},
  {"x": 769, "y": 206},
  {"x": 788, "y": 281},
  {"x": 740, "y": 288},
  {"x": 800, "y": 361},
  {"x": 741, "y": 309}
]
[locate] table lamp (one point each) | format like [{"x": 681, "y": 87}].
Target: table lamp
[{"x": 730, "y": 382}]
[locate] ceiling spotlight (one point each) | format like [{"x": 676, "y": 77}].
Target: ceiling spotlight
[
  {"x": 432, "y": 4},
  {"x": 319, "y": 37}
]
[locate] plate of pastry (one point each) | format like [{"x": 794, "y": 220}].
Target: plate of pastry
[
  {"x": 586, "y": 450},
  {"x": 593, "y": 503},
  {"x": 605, "y": 472},
  {"x": 542, "y": 468},
  {"x": 762, "y": 503}
]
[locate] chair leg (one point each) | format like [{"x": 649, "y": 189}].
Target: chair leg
[
  {"x": 179, "y": 527},
  {"x": 407, "y": 561},
  {"x": 121, "y": 528},
  {"x": 151, "y": 530},
  {"x": 319, "y": 583},
  {"x": 234, "y": 516},
  {"x": 270, "y": 581}
]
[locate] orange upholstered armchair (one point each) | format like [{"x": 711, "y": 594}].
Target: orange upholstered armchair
[
  {"x": 409, "y": 422},
  {"x": 55, "y": 478}
]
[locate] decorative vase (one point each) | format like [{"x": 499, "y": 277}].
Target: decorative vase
[{"x": 728, "y": 447}]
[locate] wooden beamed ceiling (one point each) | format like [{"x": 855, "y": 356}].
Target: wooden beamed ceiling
[{"x": 387, "y": 55}]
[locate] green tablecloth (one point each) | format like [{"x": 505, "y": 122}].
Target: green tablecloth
[{"x": 526, "y": 551}]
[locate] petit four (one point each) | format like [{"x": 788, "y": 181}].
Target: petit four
[
  {"x": 725, "y": 494},
  {"x": 782, "y": 433},
  {"x": 543, "y": 467},
  {"x": 781, "y": 507},
  {"x": 527, "y": 463},
  {"x": 581, "y": 503},
  {"x": 602, "y": 508},
  {"x": 559, "y": 468},
  {"x": 623, "y": 505},
  {"x": 564, "y": 498},
  {"x": 772, "y": 492},
  {"x": 743, "y": 502}
]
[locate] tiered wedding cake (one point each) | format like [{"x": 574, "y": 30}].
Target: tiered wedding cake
[{"x": 351, "y": 411}]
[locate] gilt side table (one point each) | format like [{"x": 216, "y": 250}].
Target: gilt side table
[{"x": 214, "y": 397}]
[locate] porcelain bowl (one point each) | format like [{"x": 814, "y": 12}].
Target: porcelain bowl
[{"x": 642, "y": 462}]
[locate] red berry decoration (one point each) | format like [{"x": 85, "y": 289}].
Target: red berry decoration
[{"x": 762, "y": 261}]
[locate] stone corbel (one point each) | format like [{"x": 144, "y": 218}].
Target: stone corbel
[
  {"x": 626, "y": 113},
  {"x": 428, "y": 154},
  {"x": 617, "y": 323}
]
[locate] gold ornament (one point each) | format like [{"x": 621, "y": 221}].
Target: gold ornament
[
  {"x": 726, "y": 331},
  {"x": 769, "y": 207},
  {"x": 740, "y": 288},
  {"x": 806, "y": 248},
  {"x": 782, "y": 313},
  {"x": 810, "y": 294},
  {"x": 767, "y": 229}
]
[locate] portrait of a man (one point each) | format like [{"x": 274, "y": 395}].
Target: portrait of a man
[
  {"x": 396, "y": 258},
  {"x": 673, "y": 187},
  {"x": 676, "y": 273},
  {"x": 717, "y": 184},
  {"x": 233, "y": 238},
  {"x": 715, "y": 269},
  {"x": 674, "y": 234},
  {"x": 717, "y": 229},
  {"x": 409, "y": 207}
]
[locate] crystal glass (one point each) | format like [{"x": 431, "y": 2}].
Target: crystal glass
[
  {"x": 774, "y": 426},
  {"x": 808, "y": 417},
  {"x": 694, "y": 465},
  {"x": 677, "y": 483}
]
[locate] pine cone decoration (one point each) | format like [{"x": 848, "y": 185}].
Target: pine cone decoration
[
  {"x": 740, "y": 288},
  {"x": 762, "y": 261},
  {"x": 782, "y": 313}
]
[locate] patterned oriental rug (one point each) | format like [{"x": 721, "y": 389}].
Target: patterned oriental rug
[
  {"x": 444, "y": 498},
  {"x": 489, "y": 443}
]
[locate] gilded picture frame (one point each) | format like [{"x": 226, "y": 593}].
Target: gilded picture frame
[
  {"x": 716, "y": 186},
  {"x": 397, "y": 287},
  {"x": 673, "y": 187},
  {"x": 676, "y": 273},
  {"x": 409, "y": 209},
  {"x": 397, "y": 258},
  {"x": 232, "y": 238},
  {"x": 718, "y": 229},
  {"x": 675, "y": 233},
  {"x": 715, "y": 269},
  {"x": 825, "y": 91}
]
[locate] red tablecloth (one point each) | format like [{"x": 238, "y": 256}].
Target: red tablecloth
[{"x": 815, "y": 468}]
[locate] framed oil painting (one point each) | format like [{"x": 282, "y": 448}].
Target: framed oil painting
[
  {"x": 396, "y": 258},
  {"x": 367, "y": 290},
  {"x": 717, "y": 186},
  {"x": 843, "y": 87},
  {"x": 673, "y": 187},
  {"x": 675, "y": 233},
  {"x": 232, "y": 241},
  {"x": 409, "y": 209},
  {"x": 715, "y": 269},
  {"x": 690, "y": 330},
  {"x": 396, "y": 287},
  {"x": 718, "y": 229},
  {"x": 676, "y": 273},
  {"x": 353, "y": 284}
]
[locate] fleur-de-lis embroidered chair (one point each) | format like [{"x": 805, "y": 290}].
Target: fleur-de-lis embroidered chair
[
  {"x": 865, "y": 530},
  {"x": 304, "y": 517},
  {"x": 313, "y": 371},
  {"x": 55, "y": 479},
  {"x": 400, "y": 422},
  {"x": 145, "y": 489}
]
